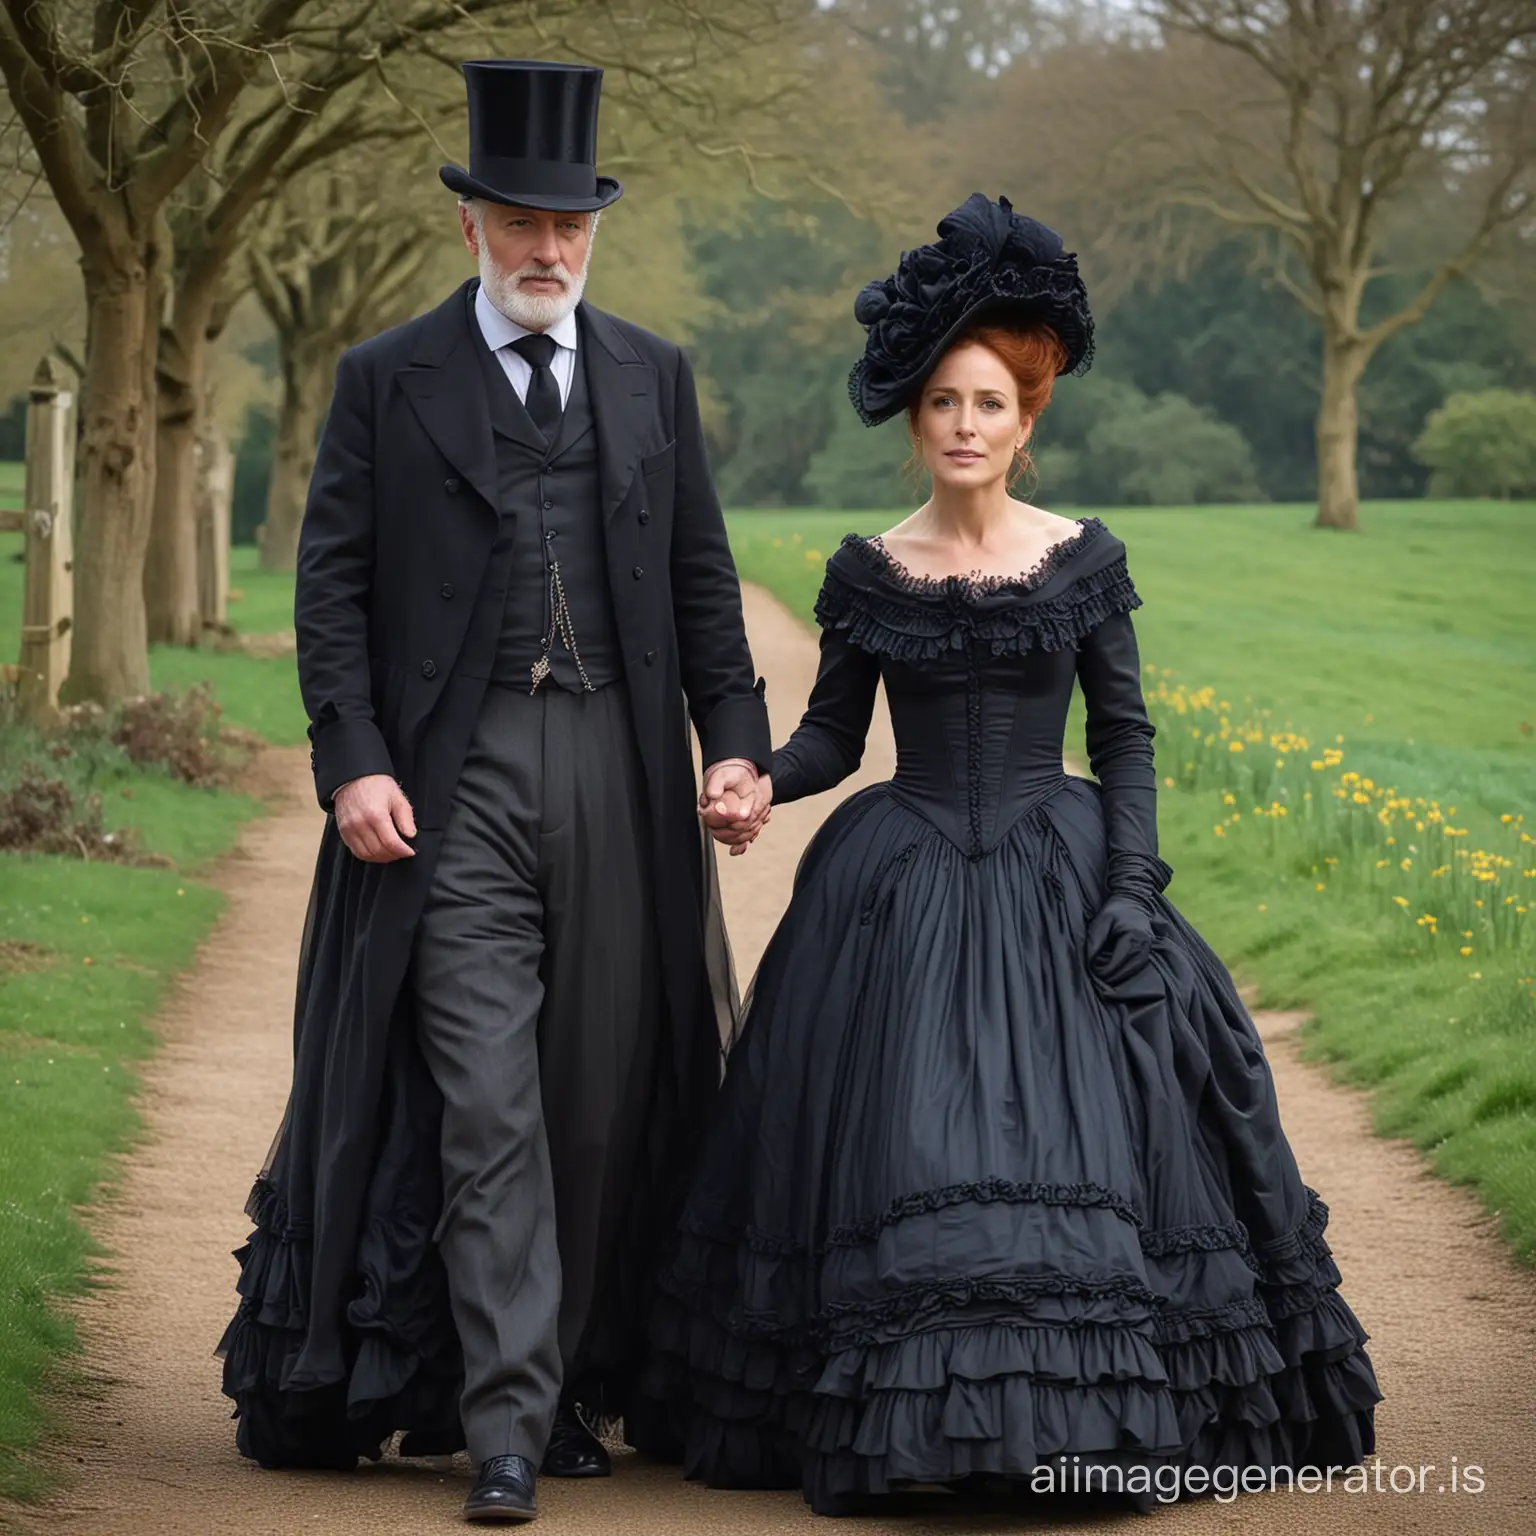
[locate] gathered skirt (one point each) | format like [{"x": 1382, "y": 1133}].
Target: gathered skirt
[{"x": 961, "y": 1212}]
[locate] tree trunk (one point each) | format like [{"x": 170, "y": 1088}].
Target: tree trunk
[
  {"x": 307, "y": 372},
  {"x": 170, "y": 569},
  {"x": 1338, "y": 432},
  {"x": 110, "y": 657}
]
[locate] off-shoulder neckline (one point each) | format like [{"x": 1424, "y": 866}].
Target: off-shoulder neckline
[{"x": 873, "y": 552}]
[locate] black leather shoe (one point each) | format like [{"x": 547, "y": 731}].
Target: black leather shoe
[
  {"x": 503, "y": 1492},
  {"x": 574, "y": 1451}
]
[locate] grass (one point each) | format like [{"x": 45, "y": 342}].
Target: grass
[
  {"x": 86, "y": 953},
  {"x": 1408, "y": 651},
  {"x": 1409, "y": 641},
  {"x": 1412, "y": 638},
  {"x": 258, "y": 694}
]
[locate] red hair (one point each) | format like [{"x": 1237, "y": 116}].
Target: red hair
[{"x": 1034, "y": 357}]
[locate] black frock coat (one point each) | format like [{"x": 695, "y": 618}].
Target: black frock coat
[{"x": 343, "y": 1332}]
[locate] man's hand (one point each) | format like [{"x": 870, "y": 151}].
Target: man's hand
[
  {"x": 374, "y": 818},
  {"x": 736, "y": 803}
]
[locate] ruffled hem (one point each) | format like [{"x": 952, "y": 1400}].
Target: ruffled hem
[
  {"x": 293, "y": 1414},
  {"x": 981, "y": 1383}
]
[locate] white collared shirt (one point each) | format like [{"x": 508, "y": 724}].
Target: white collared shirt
[{"x": 500, "y": 333}]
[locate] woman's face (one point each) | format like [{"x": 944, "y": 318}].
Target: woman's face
[{"x": 968, "y": 424}]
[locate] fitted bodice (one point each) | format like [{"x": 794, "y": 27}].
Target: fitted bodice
[
  {"x": 978, "y": 737},
  {"x": 978, "y": 675}
]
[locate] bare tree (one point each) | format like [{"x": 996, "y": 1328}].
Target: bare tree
[
  {"x": 126, "y": 101},
  {"x": 334, "y": 267},
  {"x": 211, "y": 222},
  {"x": 1312, "y": 124},
  {"x": 123, "y": 102},
  {"x": 119, "y": 102}
]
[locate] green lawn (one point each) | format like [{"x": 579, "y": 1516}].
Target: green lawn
[
  {"x": 1413, "y": 639},
  {"x": 1408, "y": 641},
  {"x": 257, "y": 693},
  {"x": 86, "y": 952},
  {"x": 1408, "y": 650}
]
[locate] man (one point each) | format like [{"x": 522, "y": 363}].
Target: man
[{"x": 513, "y": 572}]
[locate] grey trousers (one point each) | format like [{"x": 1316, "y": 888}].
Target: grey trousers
[{"x": 537, "y": 991}]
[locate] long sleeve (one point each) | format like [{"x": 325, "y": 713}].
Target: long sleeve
[
  {"x": 728, "y": 711},
  {"x": 828, "y": 744},
  {"x": 332, "y": 591},
  {"x": 1120, "y": 755}
]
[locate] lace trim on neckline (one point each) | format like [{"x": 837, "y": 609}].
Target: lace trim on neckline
[
  {"x": 874, "y": 553},
  {"x": 924, "y": 626}
]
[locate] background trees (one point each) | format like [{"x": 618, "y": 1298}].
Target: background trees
[
  {"x": 338, "y": 260},
  {"x": 161, "y": 132},
  {"x": 1369, "y": 152},
  {"x": 1481, "y": 443},
  {"x": 1301, "y": 225}
]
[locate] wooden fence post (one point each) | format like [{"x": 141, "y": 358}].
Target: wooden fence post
[
  {"x": 215, "y": 497},
  {"x": 47, "y": 614}
]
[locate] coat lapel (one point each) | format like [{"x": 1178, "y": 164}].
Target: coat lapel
[
  {"x": 621, "y": 385},
  {"x": 446, "y": 386}
]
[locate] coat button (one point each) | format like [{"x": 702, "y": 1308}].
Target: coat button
[
  {"x": 451, "y": 485},
  {"x": 645, "y": 517},
  {"x": 650, "y": 658},
  {"x": 639, "y": 572},
  {"x": 429, "y": 669},
  {"x": 549, "y": 506},
  {"x": 446, "y": 590}
]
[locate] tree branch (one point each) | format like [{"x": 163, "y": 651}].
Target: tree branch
[
  {"x": 1496, "y": 214},
  {"x": 41, "y": 106},
  {"x": 35, "y": 31},
  {"x": 1238, "y": 219},
  {"x": 1308, "y": 300},
  {"x": 185, "y": 129}
]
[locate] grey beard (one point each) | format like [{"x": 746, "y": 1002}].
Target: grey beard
[{"x": 532, "y": 311}]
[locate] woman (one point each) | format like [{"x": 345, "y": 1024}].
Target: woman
[{"x": 998, "y": 1185}]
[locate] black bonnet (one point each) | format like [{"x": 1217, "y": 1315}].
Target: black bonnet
[{"x": 989, "y": 264}]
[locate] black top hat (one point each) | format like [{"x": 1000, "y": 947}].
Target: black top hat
[
  {"x": 533, "y": 136},
  {"x": 989, "y": 263}
]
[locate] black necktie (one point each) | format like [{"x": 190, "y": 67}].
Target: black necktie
[{"x": 543, "y": 400}]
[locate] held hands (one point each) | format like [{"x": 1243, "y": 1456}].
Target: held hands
[
  {"x": 736, "y": 803},
  {"x": 374, "y": 819}
]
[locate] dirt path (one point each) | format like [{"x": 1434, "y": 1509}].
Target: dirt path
[{"x": 152, "y": 1450}]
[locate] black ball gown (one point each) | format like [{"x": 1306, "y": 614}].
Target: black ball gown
[{"x": 998, "y": 1179}]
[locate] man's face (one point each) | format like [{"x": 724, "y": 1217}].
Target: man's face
[{"x": 533, "y": 262}]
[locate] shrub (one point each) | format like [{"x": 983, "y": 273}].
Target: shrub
[
  {"x": 1106, "y": 443},
  {"x": 179, "y": 732},
  {"x": 49, "y": 782},
  {"x": 862, "y": 466},
  {"x": 1481, "y": 443},
  {"x": 41, "y": 813},
  {"x": 1172, "y": 453}
]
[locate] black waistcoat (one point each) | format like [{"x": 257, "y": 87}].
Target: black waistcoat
[{"x": 551, "y": 510}]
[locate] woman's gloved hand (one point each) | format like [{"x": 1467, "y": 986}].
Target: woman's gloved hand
[{"x": 1119, "y": 941}]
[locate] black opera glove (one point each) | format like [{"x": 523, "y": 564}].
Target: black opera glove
[
  {"x": 1120, "y": 937},
  {"x": 1119, "y": 941}
]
